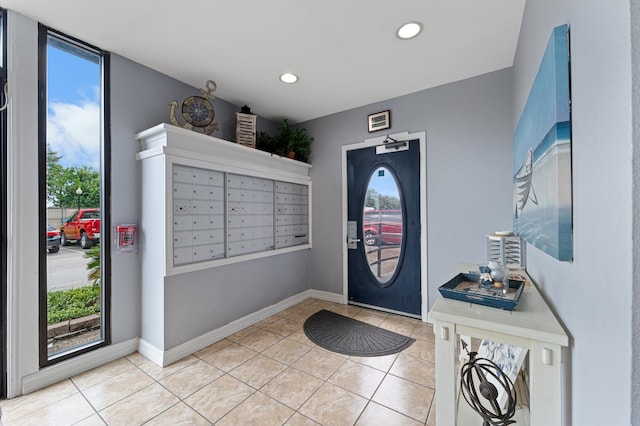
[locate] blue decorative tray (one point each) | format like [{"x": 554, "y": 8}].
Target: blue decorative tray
[{"x": 465, "y": 287}]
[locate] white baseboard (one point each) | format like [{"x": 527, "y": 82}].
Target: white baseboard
[
  {"x": 151, "y": 352},
  {"x": 325, "y": 295},
  {"x": 164, "y": 358},
  {"x": 71, "y": 367}
]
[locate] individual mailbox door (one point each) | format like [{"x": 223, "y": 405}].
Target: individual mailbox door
[
  {"x": 182, "y": 174},
  {"x": 183, "y": 223},
  {"x": 218, "y": 214}
]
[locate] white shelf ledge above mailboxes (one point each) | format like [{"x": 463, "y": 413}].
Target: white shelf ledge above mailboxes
[{"x": 226, "y": 156}]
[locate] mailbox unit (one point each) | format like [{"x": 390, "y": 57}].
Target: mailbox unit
[{"x": 208, "y": 202}]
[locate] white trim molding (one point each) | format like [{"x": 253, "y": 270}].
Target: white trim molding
[
  {"x": 22, "y": 211},
  {"x": 71, "y": 367},
  {"x": 165, "y": 358}
]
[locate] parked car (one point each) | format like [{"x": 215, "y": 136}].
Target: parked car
[
  {"x": 382, "y": 227},
  {"x": 84, "y": 226},
  {"x": 53, "y": 239}
]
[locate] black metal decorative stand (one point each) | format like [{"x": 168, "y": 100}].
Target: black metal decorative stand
[{"x": 474, "y": 384}]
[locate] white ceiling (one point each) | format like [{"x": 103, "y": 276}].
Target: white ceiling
[{"x": 344, "y": 51}]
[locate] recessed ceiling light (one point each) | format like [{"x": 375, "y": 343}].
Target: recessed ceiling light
[
  {"x": 409, "y": 30},
  {"x": 288, "y": 78}
]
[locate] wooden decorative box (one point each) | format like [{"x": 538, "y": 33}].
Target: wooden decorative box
[{"x": 246, "y": 129}]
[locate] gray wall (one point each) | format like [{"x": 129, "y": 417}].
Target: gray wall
[
  {"x": 139, "y": 100},
  {"x": 469, "y": 151},
  {"x": 203, "y": 301},
  {"x": 592, "y": 295}
]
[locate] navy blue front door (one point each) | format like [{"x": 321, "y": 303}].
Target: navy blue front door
[{"x": 383, "y": 191}]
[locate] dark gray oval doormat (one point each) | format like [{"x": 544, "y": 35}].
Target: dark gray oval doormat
[{"x": 347, "y": 336}]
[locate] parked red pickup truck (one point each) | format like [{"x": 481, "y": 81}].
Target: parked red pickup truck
[
  {"x": 382, "y": 227},
  {"x": 84, "y": 226}
]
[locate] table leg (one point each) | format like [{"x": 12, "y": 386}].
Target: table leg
[
  {"x": 545, "y": 387},
  {"x": 445, "y": 373}
]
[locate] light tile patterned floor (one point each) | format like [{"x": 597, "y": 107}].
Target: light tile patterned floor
[{"x": 266, "y": 374}]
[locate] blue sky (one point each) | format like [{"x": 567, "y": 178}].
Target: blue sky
[
  {"x": 385, "y": 184},
  {"x": 73, "y": 125},
  {"x": 548, "y": 101}
]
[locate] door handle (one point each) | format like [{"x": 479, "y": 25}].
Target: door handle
[{"x": 352, "y": 232}]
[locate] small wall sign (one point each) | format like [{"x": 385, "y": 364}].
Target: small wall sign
[{"x": 379, "y": 121}]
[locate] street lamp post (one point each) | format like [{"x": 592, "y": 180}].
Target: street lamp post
[{"x": 79, "y": 193}]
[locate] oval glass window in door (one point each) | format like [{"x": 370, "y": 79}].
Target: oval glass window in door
[{"x": 382, "y": 228}]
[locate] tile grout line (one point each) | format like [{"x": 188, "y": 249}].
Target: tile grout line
[{"x": 297, "y": 312}]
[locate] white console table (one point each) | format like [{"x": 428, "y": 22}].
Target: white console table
[{"x": 532, "y": 325}]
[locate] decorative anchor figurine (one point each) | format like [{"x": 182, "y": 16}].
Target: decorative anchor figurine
[{"x": 197, "y": 111}]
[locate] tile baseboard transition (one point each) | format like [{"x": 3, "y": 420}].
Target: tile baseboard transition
[
  {"x": 55, "y": 373},
  {"x": 167, "y": 357},
  {"x": 71, "y": 367}
]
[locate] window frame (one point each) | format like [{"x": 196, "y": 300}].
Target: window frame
[
  {"x": 44, "y": 33},
  {"x": 4, "y": 210}
]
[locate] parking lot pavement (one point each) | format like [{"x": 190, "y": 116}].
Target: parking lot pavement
[{"x": 67, "y": 268}]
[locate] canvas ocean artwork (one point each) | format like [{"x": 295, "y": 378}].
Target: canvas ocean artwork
[{"x": 542, "y": 156}]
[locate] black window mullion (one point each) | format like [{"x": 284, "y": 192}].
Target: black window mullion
[
  {"x": 3, "y": 210},
  {"x": 42, "y": 188}
]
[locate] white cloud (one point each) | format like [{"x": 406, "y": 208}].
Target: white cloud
[{"x": 73, "y": 131}]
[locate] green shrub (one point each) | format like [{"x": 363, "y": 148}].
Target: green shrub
[
  {"x": 64, "y": 305},
  {"x": 93, "y": 254}
]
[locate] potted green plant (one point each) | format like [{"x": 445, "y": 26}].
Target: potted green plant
[
  {"x": 299, "y": 144},
  {"x": 268, "y": 143},
  {"x": 289, "y": 142}
]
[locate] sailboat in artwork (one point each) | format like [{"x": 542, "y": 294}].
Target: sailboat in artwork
[{"x": 524, "y": 186}]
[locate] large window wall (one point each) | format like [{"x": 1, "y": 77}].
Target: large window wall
[{"x": 73, "y": 197}]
